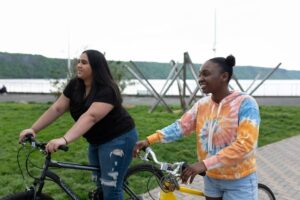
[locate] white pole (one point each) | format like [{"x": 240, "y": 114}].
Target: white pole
[{"x": 215, "y": 34}]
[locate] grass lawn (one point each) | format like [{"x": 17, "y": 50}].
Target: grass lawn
[{"x": 277, "y": 123}]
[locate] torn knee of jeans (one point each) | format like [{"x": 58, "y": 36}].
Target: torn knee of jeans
[
  {"x": 109, "y": 183},
  {"x": 117, "y": 152},
  {"x": 114, "y": 175}
]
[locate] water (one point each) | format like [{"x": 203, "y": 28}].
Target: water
[
  {"x": 268, "y": 88},
  {"x": 29, "y": 85}
]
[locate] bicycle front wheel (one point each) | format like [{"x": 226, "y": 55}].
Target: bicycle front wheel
[
  {"x": 142, "y": 182},
  {"x": 26, "y": 196},
  {"x": 265, "y": 193}
]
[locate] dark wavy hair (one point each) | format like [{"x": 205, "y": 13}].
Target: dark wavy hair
[
  {"x": 226, "y": 64},
  {"x": 101, "y": 77}
]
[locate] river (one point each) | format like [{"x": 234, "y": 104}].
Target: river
[{"x": 134, "y": 87}]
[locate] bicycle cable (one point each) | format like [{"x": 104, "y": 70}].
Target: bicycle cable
[
  {"x": 19, "y": 165},
  {"x": 28, "y": 161}
]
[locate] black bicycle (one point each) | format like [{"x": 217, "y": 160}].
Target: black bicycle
[{"x": 35, "y": 191}]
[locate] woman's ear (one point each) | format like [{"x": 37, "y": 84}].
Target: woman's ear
[{"x": 225, "y": 77}]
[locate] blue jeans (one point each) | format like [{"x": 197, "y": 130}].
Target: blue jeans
[
  {"x": 113, "y": 158},
  {"x": 240, "y": 189}
]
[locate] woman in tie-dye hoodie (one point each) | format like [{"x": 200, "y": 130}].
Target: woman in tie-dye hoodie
[{"x": 226, "y": 124}]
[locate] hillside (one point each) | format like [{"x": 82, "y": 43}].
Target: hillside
[
  {"x": 37, "y": 66},
  {"x": 154, "y": 70},
  {"x": 31, "y": 66}
]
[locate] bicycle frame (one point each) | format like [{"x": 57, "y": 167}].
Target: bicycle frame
[
  {"x": 66, "y": 165},
  {"x": 55, "y": 178},
  {"x": 171, "y": 196},
  {"x": 38, "y": 183}
]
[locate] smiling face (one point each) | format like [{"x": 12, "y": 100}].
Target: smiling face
[
  {"x": 84, "y": 69},
  {"x": 212, "y": 79}
]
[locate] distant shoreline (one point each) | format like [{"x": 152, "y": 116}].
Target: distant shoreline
[
  {"x": 146, "y": 100},
  {"x": 135, "y": 87}
]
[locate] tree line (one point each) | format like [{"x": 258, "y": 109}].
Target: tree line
[{"x": 14, "y": 66}]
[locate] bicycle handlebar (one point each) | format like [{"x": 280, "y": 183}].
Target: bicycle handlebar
[
  {"x": 41, "y": 145},
  {"x": 175, "y": 168}
]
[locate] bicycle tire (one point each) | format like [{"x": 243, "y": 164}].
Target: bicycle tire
[
  {"x": 143, "y": 182},
  {"x": 26, "y": 196},
  {"x": 265, "y": 193}
]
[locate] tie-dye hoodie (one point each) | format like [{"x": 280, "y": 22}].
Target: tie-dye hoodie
[{"x": 226, "y": 134}]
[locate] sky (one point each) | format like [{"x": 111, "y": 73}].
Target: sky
[{"x": 257, "y": 32}]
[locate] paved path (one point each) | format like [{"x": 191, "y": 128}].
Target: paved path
[
  {"x": 278, "y": 167},
  {"x": 145, "y": 100}
]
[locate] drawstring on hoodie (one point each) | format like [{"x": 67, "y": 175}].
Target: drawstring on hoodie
[{"x": 212, "y": 125}]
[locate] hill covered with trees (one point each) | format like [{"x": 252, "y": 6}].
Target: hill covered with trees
[
  {"x": 13, "y": 66},
  {"x": 31, "y": 66}
]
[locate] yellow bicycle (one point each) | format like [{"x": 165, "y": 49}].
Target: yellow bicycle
[{"x": 160, "y": 180}]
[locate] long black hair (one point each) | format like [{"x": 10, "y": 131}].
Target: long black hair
[
  {"x": 101, "y": 77},
  {"x": 226, "y": 64}
]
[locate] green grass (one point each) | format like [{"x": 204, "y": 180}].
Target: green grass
[{"x": 277, "y": 123}]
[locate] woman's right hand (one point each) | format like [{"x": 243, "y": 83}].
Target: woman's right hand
[
  {"x": 25, "y": 132},
  {"x": 142, "y": 144}
]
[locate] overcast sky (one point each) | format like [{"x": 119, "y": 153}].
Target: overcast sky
[{"x": 257, "y": 32}]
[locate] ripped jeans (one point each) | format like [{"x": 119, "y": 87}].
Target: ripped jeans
[{"x": 113, "y": 158}]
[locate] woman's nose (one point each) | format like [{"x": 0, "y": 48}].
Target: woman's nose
[{"x": 200, "y": 78}]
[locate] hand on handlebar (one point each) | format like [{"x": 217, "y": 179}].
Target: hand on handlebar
[
  {"x": 191, "y": 171},
  {"x": 26, "y": 132},
  {"x": 142, "y": 144},
  {"x": 55, "y": 144}
]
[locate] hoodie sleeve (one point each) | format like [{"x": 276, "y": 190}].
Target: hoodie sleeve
[
  {"x": 246, "y": 141},
  {"x": 180, "y": 128}
]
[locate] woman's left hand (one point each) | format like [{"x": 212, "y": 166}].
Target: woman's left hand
[
  {"x": 53, "y": 145},
  {"x": 191, "y": 171}
]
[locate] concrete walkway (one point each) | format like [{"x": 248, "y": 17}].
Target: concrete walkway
[{"x": 278, "y": 168}]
